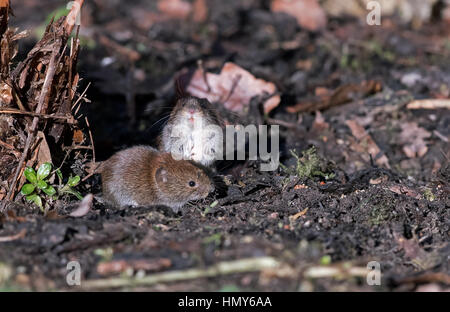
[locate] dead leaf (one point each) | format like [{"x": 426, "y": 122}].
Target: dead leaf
[
  {"x": 233, "y": 87},
  {"x": 298, "y": 214},
  {"x": 78, "y": 136},
  {"x": 200, "y": 11},
  {"x": 84, "y": 207},
  {"x": 412, "y": 136},
  {"x": 343, "y": 94},
  {"x": 366, "y": 145},
  {"x": 44, "y": 154},
  {"x": 175, "y": 8},
  {"x": 403, "y": 190},
  {"x": 379, "y": 180},
  {"x": 5, "y": 94},
  {"x": 308, "y": 13}
]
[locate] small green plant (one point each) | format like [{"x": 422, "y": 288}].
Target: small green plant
[
  {"x": 68, "y": 187},
  {"x": 428, "y": 195},
  {"x": 308, "y": 166},
  {"x": 39, "y": 186},
  {"x": 325, "y": 260}
]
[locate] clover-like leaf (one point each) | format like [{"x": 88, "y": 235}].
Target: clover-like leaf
[
  {"x": 30, "y": 174},
  {"x": 27, "y": 189},
  {"x": 73, "y": 181},
  {"x": 42, "y": 184},
  {"x": 50, "y": 190},
  {"x": 44, "y": 171}
]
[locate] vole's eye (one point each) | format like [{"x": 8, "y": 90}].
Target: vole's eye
[{"x": 191, "y": 183}]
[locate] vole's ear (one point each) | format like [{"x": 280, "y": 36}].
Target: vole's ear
[{"x": 161, "y": 175}]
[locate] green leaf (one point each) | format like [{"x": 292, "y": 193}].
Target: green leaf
[
  {"x": 44, "y": 171},
  {"x": 27, "y": 189},
  {"x": 35, "y": 199},
  {"x": 42, "y": 184},
  {"x": 76, "y": 193},
  {"x": 73, "y": 181},
  {"x": 31, "y": 197},
  {"x": 30, "y": 174},
  {"x": 50, "y": 190},
  {"x": 60, "y": 176}
]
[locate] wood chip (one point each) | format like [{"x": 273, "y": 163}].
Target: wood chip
[{"x": 429, "y": 104}]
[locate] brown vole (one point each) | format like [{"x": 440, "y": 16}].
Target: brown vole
[
  {"x": 143, "y": 176},
  {"x": 194, "y": 131}
]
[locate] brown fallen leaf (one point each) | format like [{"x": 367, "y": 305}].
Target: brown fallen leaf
[
  {"x": 379, "y": 180},
  {"x": 5, "y": 94},
  {"x": 84, "y": 207},
  {"x": 78, "y": 136},
  {"x": 366, "y": 145},
  {"x": 44, "y": 154},
  {"x": 200, "y": 11},
  {"x": 403, "y": 190},
  {"x": 233, "y": 87},
  {"x": 298, "y": 214},
  {"x": 412, "y": 137},
  {"x": 308, "y": 13},
  {"x": 175, "y": 8},
  {"x": 343, "y": 94}
]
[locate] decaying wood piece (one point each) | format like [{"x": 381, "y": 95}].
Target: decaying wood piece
[{"x": 38, "y": 93}]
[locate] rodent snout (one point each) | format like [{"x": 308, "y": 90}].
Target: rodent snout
[{"x": 208, "y": 190}]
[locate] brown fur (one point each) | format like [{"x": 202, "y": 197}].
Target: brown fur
[{"x": 143, "y": 176}]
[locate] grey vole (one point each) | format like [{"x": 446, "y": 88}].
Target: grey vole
[{"x": 192, "y": 131}]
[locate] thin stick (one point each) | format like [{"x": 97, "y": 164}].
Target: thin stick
[
  {"x": 77, "y": 147},
  {"x": 221, "y": 268},
  {"x": 92, "y": 140},
  {"x": 45, "y": 90},
  {"x": 11, "y": 238},
  {"x": 80, "y": 97},
  {"x": 13, "y": 111},
  {"x": 10, "y": 147},
  {"x": 283, "y": 123}
]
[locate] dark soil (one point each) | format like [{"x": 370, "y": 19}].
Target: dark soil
[{"x": 398, "y": 216}]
